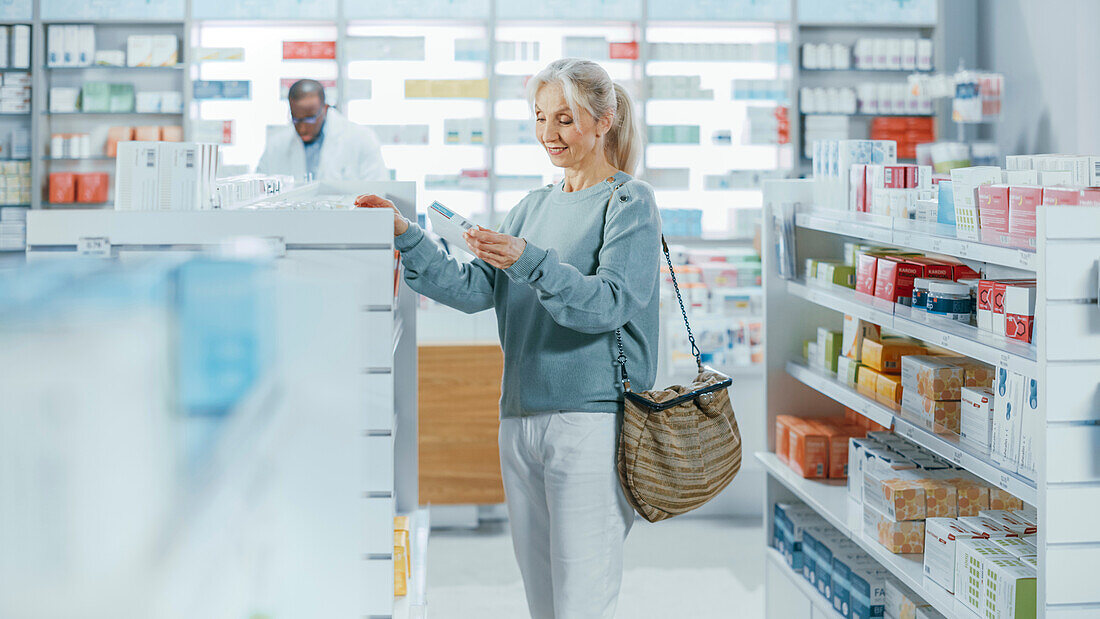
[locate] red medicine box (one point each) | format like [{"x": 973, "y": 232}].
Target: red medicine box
[
  {"x": 309, "y": 50},
  {"x": 623, "y": 51},
  {"x": 932, "y": 268},
  {"x": 894, "y": 278},
  {"x": 1061, "y": 195},
  {"x": 1090, "y": 196},
  {"x": 897, "y": 176},
  {"x": 993, "y": 213},
  {"x": 866, "y": 271},
  {"x": 1022, "y": 204},
  {"x": 1019, "y": 307},
  {"x": 62, "y": 188},
  {"x": 92, "y": 187}
]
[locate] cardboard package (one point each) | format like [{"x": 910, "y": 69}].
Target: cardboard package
[
  {"x": 905, "y": 537},
  {"x": 888, "y": 389},
  {"x": 1005, "y": 439},
  {"x": 940, "y": 538},
  {"x": 931, "y": 377},
  {"x": 854, "y": 332},
  {"x": 91, "y": 187},
  {"x": 970, "y": 556},
  {"x": 1008, "y": 589},
  {"x": 885, "y": 356},
  {"x": 62, "y": 188},
  {"x": 976, "y": 417},
  {"x": 993, "y": 214},
  {"x": 941, "y": 415},
  {"x": 808, "y": 454}
]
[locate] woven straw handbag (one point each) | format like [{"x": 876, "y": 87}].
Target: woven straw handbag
[{"x": 679, "y": 446}]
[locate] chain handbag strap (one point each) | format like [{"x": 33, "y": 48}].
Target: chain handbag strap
[{"x": 621, "y": 359}]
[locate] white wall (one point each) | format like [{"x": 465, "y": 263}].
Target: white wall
[{"x": 1049, "y": 52}]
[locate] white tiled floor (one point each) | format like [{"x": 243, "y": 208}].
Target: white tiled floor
[{"x": 692, "y": 567}]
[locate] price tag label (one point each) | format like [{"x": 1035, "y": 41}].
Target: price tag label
[
  {"x": 1004, "y": 359},
  {"x": 1025, "y": 258},
  {"x": 957, "y": 456},
  {"x": 909, "y": 432},
  {"x": 98, "y": 246},
  {"x": 937, "y": 245},
  {"x": 963, "y": 249},
  {"x": 945, "y": 340},
  {"x": 903, "y": 238},
  {"x": 1002, "y": 481}
]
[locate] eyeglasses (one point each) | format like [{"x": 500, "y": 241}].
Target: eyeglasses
[{"x": 308, "y": 119}]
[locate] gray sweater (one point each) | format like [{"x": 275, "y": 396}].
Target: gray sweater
[{"x": 591, "y": 265}]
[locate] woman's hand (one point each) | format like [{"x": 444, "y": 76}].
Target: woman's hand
[
  {"x": 400, "y": 224},
  {"x": 499, "y": 250}
]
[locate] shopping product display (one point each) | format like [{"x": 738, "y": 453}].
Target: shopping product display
[{"x": 152, "y": 176}]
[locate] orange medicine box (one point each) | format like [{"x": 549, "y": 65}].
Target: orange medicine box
[
  {"x": 971, "y": 497},
  {"x": 884, "y": 356},
  {"x": 895, "y": 494},
  {"x": 837, "y": 435},
  {"x": 867, "y": 382},
  {"x": 934, "y": 378},
  {"x": 62, "y": 188},
  {"x": 944, "y": 415},
  {"x": 888, "y": 389},
  {"x": 1003, "y": 499},
  {"x": 783, "y": 435},
  {"x": 975, "y": 373},
  {"x": 906, "y": 537},
  {"x": 809, "y": 451}
]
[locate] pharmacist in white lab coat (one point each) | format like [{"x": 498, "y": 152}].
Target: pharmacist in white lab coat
[{"x": 321, "y": 144}]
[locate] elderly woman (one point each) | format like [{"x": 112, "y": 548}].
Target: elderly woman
[{"x": 572, "y": 262}]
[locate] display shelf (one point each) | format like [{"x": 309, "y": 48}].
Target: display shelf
[
  {"x": 866, "y": 115},
  {"x": 76, "y": 204},
  {"x": 944, "y": 445},
  {"x": 20, "y": 114},
  {"x": 178, "y": 67},
  {"x": 855, "y": 70},
  {"x": 891, "y": 25},
  {"x": 964, "y": 339},
  {"x": 937, "y": 238},
  {"x": 830, "y": 500},
  {"x": 48, "y": 113},
  {"x": 820, "y": 604},
  {"x": 93, "y": 158}
]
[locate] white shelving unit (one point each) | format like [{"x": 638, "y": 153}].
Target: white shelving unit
[
  {"x": 359, "y": 402},
  {"x": 1065, "y": 358},
  {"x": 951, "y": 30}
]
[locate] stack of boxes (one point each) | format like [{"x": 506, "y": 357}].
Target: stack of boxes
[
  {"x": 907, "y": 132},
  {"x": 15, "y": 182},
  {"x": 846, "y": 576},
  {"x": 933, "y": 387},
  {"x": 153, "y": 176},
  {"x": 13, "y": 228},
  {"x": 15, "y": 94},
  {"x": 817, "y": 448},
  {"x": 902, "y": 485},
  {"x": 832, "y": 164},
  {"x": 989, "y": 562},
  {"x": 1007, "y": 307},
  {"x": 15, "y": 47}
]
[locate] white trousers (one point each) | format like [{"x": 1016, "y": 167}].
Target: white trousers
[{"x": 568, "y": 515}]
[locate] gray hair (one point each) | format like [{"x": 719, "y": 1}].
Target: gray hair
[{"x": 586, "y": 85}]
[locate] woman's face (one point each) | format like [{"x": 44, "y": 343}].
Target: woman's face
[{"x": 571, "y": 140}]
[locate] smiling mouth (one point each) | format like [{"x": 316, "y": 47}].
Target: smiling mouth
[{"x": 554, "y": 150}]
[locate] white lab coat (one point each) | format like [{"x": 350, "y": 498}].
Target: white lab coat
[{"x": 349, "y": 152}]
